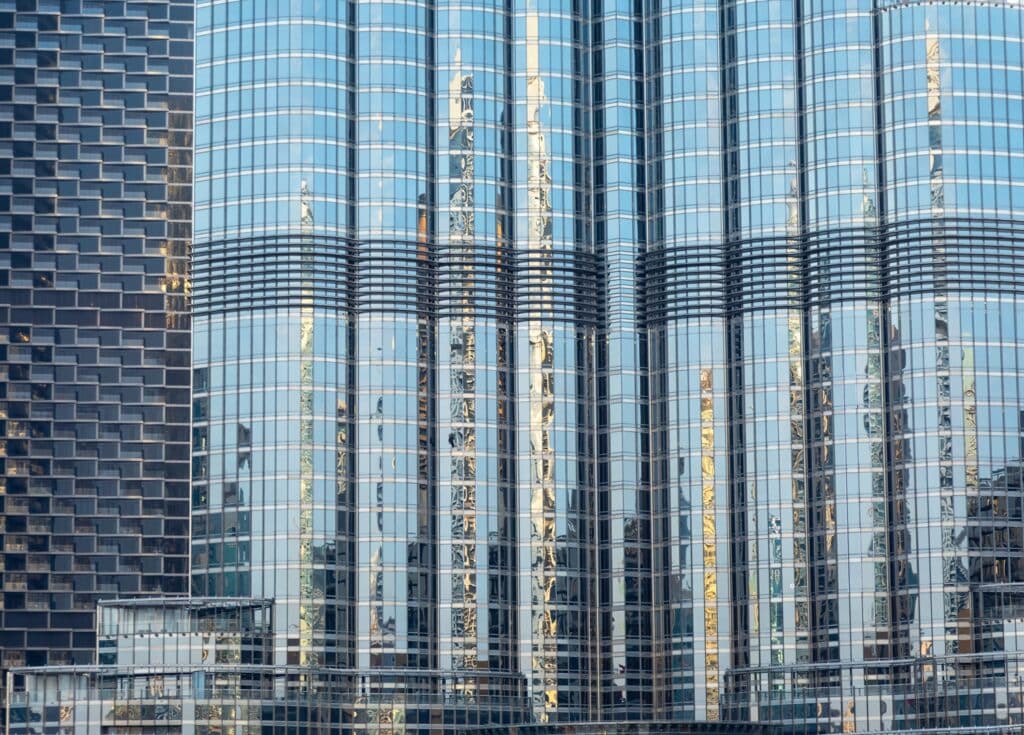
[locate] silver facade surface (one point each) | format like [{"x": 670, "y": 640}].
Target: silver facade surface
[
  {"x": 95, "y": 227},
  {"x": 666, "y": 355}
]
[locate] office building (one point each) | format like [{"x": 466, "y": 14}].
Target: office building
[
  {"x": 95, "y": 223},
  {"x": 611, "y": 362}
]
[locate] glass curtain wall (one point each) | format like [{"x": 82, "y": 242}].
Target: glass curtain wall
[
  {"x": 869, "y": 168},
  {"x": 763, "y": 220},
  {"x": 554, "y": 349},
  {"x": 665, "y": 354},
  {"x": 396, "y": 582},
  {"x": 475, "y": 379},
  {"x": 685, "y": 310},
  {"x": 952, "y": 160},
  {"x": 623, "y": 476},
  {"x": 271, "y": 334},
  {"x": 847, "y": 514}
]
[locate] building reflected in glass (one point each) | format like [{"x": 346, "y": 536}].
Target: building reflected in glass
[{"x": 613, "y": 362}]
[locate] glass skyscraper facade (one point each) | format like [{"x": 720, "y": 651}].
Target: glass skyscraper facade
[
  {"x": 95, "y": 224},
  {"x": 593, "y": 362}
]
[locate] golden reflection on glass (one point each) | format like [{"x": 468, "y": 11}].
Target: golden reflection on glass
[
  {"x": 933, "y": 85},
  {"x": 933, "y": 80},
  {"x": 540, "y": 234},
  {"x": 849, "y": 717},
  {"x": 175, "y": 284},
  {"x": 341, "y": 455},
  {"x": 707, "y": 472},
  {"x": 311, "y": 599},
  {"x": 542, "y": 635},
  {"x": 970, "y": 421}
]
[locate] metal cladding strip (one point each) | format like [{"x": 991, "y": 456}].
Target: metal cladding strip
[
  {"x": 277, "y": 271},
  {"x": 899, "y": 259}
]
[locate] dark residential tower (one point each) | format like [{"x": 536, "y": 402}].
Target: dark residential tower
[{"x": 95, "y": 226}]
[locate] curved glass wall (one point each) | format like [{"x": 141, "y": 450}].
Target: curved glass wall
[
  {"x": 395, "y": 583},
  {"x": 821, "y": 287},
  {"x": 663, "y": 357},
  {"x": 474, "y": 397},
  {"x": 952, "y": 87},
  {"x": 623, "y": 478},
  {"x": 554, "y": 348},
  {"x": 270, "y": 345},
  {"x": 846, "y": 514},
  {"x": 685, "y": 310}
]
